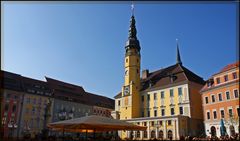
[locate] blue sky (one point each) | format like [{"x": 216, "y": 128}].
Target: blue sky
[{"x": 83, "y": 43}]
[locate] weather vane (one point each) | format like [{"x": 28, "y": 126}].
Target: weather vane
[
  {"x": 177, "y": 40},
  {"x": 132, "y": 5}
]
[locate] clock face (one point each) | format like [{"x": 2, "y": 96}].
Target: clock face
[{"x": 126, "y": 90}]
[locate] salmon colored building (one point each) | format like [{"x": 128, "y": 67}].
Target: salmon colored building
[{"x": 220, "y": 100}]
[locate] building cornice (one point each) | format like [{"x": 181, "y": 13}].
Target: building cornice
[
  {"x": 154, "y": 118},
  {"x": 166, "y": 86},
  {"x": 220, "y": 86}
]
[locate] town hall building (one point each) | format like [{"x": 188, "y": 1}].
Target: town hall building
[{"x": 167, "y": 101}]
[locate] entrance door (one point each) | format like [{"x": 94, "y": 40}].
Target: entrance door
[{"x": 213, "y": 131}]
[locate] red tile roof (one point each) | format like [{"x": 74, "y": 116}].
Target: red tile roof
[
  {"x": 168, "y": 76},
  {"x": 230, "y": 66}
]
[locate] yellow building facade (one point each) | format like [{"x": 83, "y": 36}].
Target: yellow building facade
[{"x": 167, "y": 101}]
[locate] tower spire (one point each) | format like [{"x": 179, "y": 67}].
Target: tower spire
[
  {"x": 132, "y": 8},
  {"x": 178, "y": 54},
  {"x": 132, "y": 33}
]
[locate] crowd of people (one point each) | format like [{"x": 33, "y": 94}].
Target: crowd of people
[{"x": 116, "y": 138}]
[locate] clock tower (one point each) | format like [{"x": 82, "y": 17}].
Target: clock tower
[{"x": 130, "y": 107}]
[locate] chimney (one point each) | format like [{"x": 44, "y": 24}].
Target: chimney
[{"x": 145, "y": 74}]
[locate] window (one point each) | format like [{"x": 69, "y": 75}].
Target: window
[
  {"x": 145, "y": 123},
  {"x": 6, "y": 107},
  {"x": 14, "y": 108},
  {"x": 172, "y": 111},
  {"x": 34, "y": 101},
  {"x": 142, "y": 98},
  {"x": 28, "y": 100},
  {"x": 227, "y": 95},
  {"x": 208, "y": 115},
  {"x": 169, "y": 122},
  {"x": 142, "y": 114},
  {"x": 214, "y": 114},
  {"x": 181, "y": 110},
  {"x": 236, "y": 95},
  {"x": 126, "y": 60},
  {"x": 155, "y": 113},
  {"x": 148, "y": 112},
  {"x": 155, "y": 96},
  {"x": 145, "y": 134},
  {"x": 179, "y": 91},
  {"x": 119, "y": 102},
  {"x": 218, "y": 80},
  {"x": 226, "y": 78},
  {"x": 160, "y": 123},
  {"x": 206, "y": 100},
  {"x": 33, "y": 110},
  {"x": 163, "y": 112},
  {"x": 152, "y": 123},
  {"x": 222, "y": 113},
  {"x": 234, "y": 75},
  {"x": 15, "y": 97},
  {"x": 213, "y": 98},
  {"x": 171, "y": 92},
  {"x": 230, "y": 112},
  {"x": 148, "y": 97},
  {"x": 162, "y": 94},
  {"x": 220, "y": 97}
]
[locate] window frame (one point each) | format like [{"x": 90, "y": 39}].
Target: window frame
[
  {"x": 213, "y": 96},
  {"x": 206, "y": 100},
  {"x": 215, "y": 114},
  {"x": 225, "y": 78},
  {"x": 220, "y": 94},
  {"x": 171, "y": 91},
  {"x": 228, "y": 95},
  {"x": 237, "y": 93}
]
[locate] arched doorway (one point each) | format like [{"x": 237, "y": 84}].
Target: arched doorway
[
  {"x": 131, "y": 134},
  {"x": 232, "y": 130},
  {"x": 138, "y": 134},
  {"x": 153, "y": 134},
  {"x": 170, "y": 134},
  {"x": 160, "y": 134},
  {"x": 145, "y": 134},
  {"x": 213, "y": 131}
]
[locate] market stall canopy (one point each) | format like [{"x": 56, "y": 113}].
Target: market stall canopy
[{"x": 94, "y": 123}]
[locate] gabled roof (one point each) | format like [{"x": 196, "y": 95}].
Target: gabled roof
[
  {"x": 171, "y": 75},
  {"x": 119, "y": 95},
  {"x": 10, "y": 81},
  {"x": 78, "y": 94},
  {"x": 229, "y": 67},
  {"x": 100, "y": 101},
  {"x": 224, "y": 69}
]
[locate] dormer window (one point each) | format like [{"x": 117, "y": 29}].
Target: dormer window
[
  {"x": 226, "y": 78},
  {"x": 234, "y": 75},
  {"x": 218, "y": 80},
  {"x": 172, "y": 78},
  {"x": 150, "y": 83},
  {"x": 209, "y": 82}
]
